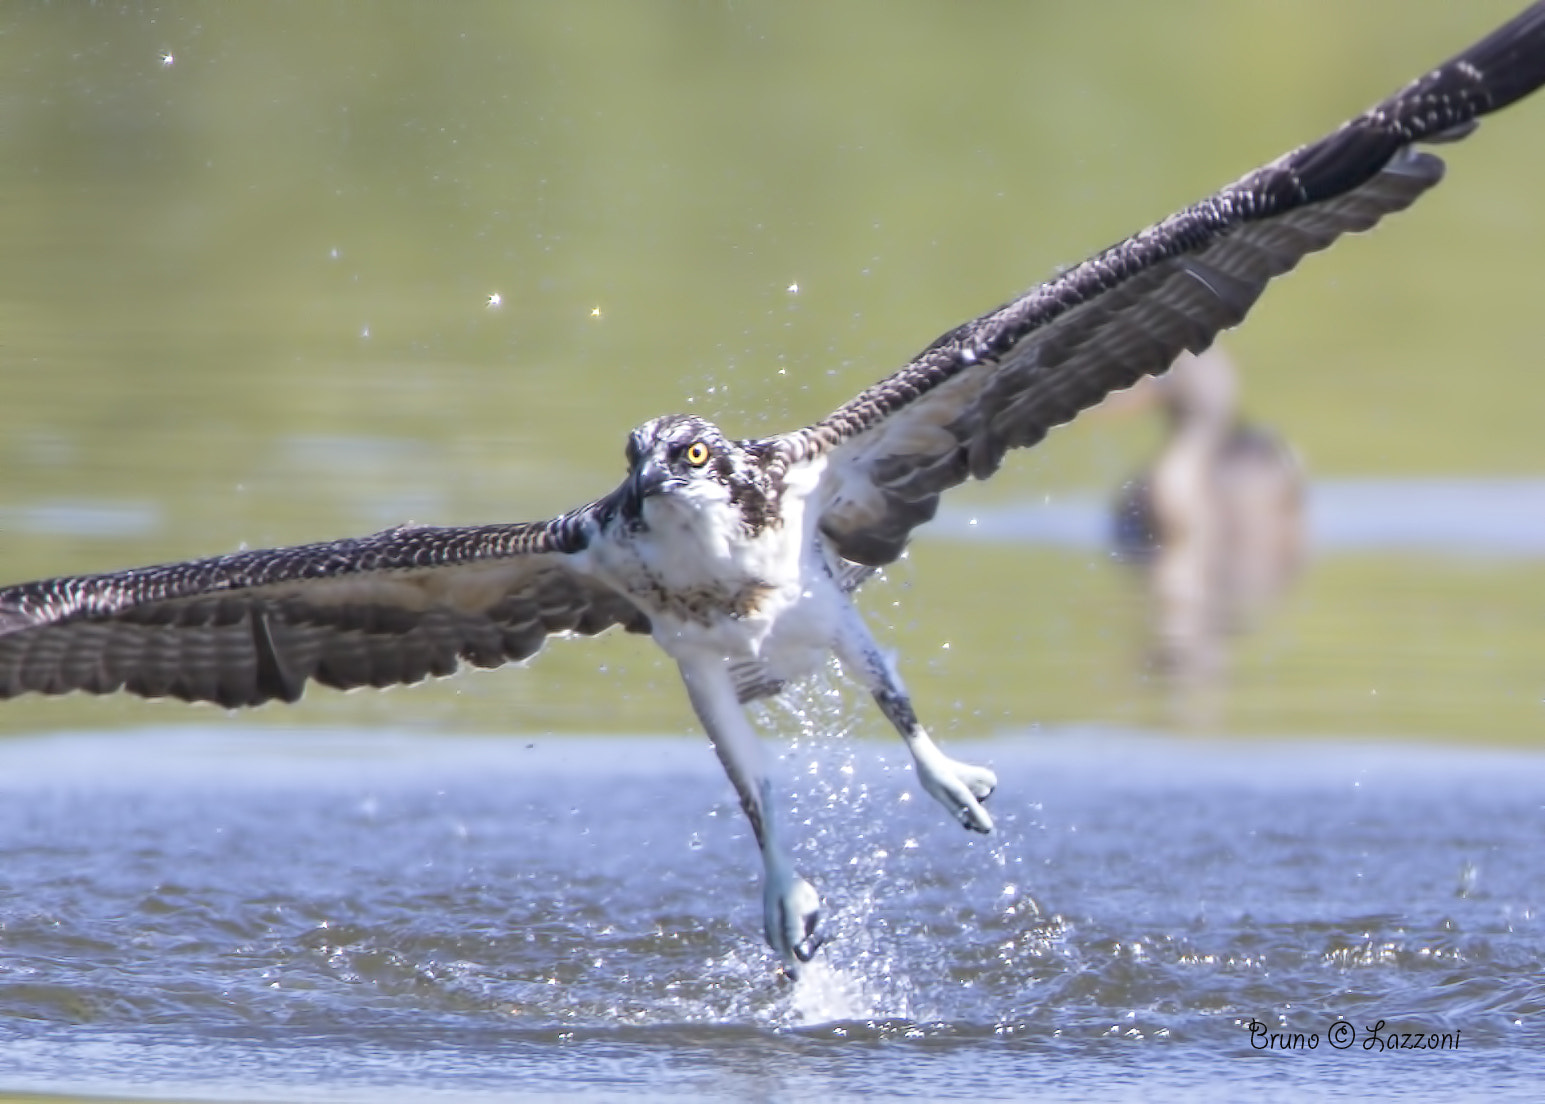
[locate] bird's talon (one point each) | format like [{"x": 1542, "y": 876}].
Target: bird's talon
[
  {"x": 806, "y": 948},
  {"x": 976, "y": 818},
  {"x": 791, "y": 911},
  {"x": 960, "y": 788}
]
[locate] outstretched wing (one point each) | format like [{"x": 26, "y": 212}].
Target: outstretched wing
[
  {"x": 1003, "y": 380},
  {"x": 249, "y": 627}
]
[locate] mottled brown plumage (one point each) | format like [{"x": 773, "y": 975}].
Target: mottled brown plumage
[
  {"x": 1005, "y": 379},
  {"x": 738, "y": 556},
  {"x": 244, "y": 628}
]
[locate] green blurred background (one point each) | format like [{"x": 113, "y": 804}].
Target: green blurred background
[{"x": 248, "y": 252}]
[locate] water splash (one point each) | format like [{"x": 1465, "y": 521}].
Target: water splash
[
  {"x": 846, "y": 847},
  {"x": 509, "y": 918}
]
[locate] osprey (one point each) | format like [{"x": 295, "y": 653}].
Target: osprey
[{"x": 740, "y": 557}]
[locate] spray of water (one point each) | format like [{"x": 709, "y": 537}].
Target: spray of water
[{"x": 837, "y": 815}]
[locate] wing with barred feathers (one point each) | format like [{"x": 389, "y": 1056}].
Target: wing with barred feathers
[
  {"x": 1003, "y": 380},
  {"x": 250, "y": 627}
]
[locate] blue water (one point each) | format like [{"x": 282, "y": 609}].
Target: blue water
[{"x": 218, "y": 913}]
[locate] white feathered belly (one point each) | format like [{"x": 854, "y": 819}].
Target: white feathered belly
[
  {"x": 786, "y": 627},
  {"x": 789, "y": 632},
  {"x": 712, "y": 591}
]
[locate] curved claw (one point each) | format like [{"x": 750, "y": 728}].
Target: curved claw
[
  {"x": 959, "y": 787},
  {"x": 979, "y": 780},
  {"x": 791, "y": 908}
]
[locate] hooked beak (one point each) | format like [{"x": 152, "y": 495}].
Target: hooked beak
[{"x": 648, "y": 478}]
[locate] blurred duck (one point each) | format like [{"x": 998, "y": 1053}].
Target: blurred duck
[{"x": 1217, "y": 522}]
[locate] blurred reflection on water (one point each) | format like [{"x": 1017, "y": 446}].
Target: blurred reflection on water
[
  {"x": 1215, "y": 525},
  {"x": 1419, "y": 614},
  {"x": 251, "y": 252}
]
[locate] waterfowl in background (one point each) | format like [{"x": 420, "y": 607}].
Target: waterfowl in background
[{"x": 1216, "y": 523}]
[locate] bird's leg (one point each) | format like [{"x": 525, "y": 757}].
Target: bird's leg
[
  {"x": 959, "y": 787},
  {"x": 790, "y": 905}
]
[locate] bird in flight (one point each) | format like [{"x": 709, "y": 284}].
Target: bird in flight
[{"x": 740, "y": 557}]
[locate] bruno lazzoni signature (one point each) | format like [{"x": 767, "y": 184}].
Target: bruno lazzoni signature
[{"x": 1342, "y": 1035}]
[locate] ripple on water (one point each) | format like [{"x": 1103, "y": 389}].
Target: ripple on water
[{"x": 585, "y": 913}]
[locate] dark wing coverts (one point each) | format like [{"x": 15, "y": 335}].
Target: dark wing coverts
[
  {"x": 1003, "y": 380},
  {"x": 411, "y": 602},
  {"x": 249, "y": 627}
]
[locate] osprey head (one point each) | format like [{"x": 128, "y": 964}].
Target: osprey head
[{"x": 689, "y": 462}]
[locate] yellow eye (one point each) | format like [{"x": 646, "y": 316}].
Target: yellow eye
[{"x": 697, "y": 454}]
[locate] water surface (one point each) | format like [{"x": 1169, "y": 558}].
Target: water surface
[
  {"x": 246, "y": 301},
  {"x": 252, "y": 915}
]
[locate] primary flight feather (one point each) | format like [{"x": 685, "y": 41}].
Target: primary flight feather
[{"x": 739, "y": 557}]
